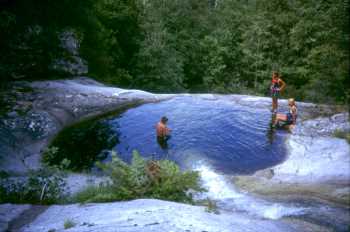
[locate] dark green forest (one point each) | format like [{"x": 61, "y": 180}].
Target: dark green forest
[{"x": 219, "y": 46}]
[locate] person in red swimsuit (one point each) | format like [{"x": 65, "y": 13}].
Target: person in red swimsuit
[{"x": 277, "y": 85}]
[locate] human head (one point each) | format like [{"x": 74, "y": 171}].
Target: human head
[
  {"x": 164, "y": 119},
  {"x": 291, "y": 102},
  {"x": 275, "y": 74}
]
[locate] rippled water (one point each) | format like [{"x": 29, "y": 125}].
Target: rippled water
[{"x": 232, "y": 138}]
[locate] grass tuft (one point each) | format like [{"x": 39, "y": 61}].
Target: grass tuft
[{"x": 69, "y": 224}]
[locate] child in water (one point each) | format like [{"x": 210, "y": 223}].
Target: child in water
[
  {"x": 289, "y": 119},
  {"x": 277, "y": 85}
]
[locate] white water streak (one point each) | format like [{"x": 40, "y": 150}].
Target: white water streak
[{"x": 229, "y": 198}]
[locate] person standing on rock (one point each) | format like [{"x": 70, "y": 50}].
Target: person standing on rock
[
  {"x": 163, "y": 132},
  {"x": 277, "y": 85}
]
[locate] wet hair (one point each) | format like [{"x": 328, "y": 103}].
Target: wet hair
[{"x": 164, "y": 119}]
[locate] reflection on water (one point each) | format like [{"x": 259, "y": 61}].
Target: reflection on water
[
  {"x": 233, "y": 138},
  {"x": 163, "y": 142},
  {"x": 271, "y": 131}
]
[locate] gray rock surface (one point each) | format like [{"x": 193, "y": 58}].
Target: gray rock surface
[
  {"x": 317, "y": 164},
  {"x": 49, "y": 107},
  {"x": 148, "y": 215},
  {"x": 9, "y": 212}
]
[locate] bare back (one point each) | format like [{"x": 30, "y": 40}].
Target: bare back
[{"x": 162, "y": 130}]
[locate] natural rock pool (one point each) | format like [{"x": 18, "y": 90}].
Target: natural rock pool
[
  {"x": 234, "y": 139},
  {"x": 218, "y": 136}
]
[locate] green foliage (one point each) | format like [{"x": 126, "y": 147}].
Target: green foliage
[
  {"x": 343, "y": 135},
  {"x": 142, "y": 179},
  {"x": 49, "y": 154},
  {"x": 68, "y": 223},
  {"x": 44, "y": 186},
  {"x": 224, "y": 46}
]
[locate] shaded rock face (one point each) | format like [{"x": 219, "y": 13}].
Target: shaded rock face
[
  {"x": 9, "y": 212},
  {"x": 73, "y": 63},
  {"x": 50, "y": 106}
]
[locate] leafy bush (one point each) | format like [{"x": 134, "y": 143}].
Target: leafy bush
[
  {"x": 45, "y": 186},
  {"x": 69, "y": 224},
  {"x": 142, "y": 179}
]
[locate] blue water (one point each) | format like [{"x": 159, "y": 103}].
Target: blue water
[{"x": 234, "y": 139}]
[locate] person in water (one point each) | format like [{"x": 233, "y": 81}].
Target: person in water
[
  {"x": 277, "y": 85},
  {"x": 289, "y": 119},
  {"x": 163, "y": 132}
]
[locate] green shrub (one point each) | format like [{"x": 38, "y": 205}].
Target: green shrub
[
  {"x": 44, "y": 186},
  {"x": 69, "y": 224},
  {"x": 343, "y": 135},
  {"x": 211, "y": 206},
  {"x": 49, "y": 154},
  {"x": 142, "y": 179}
]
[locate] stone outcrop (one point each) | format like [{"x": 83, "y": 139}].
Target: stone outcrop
[
  {"x": 49, "y": 106},
  {"x": 148, "y": 215},
  {"x": 317, "y": 164}
]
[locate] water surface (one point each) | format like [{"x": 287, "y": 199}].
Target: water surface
[{"x": 232, "y": 138}]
